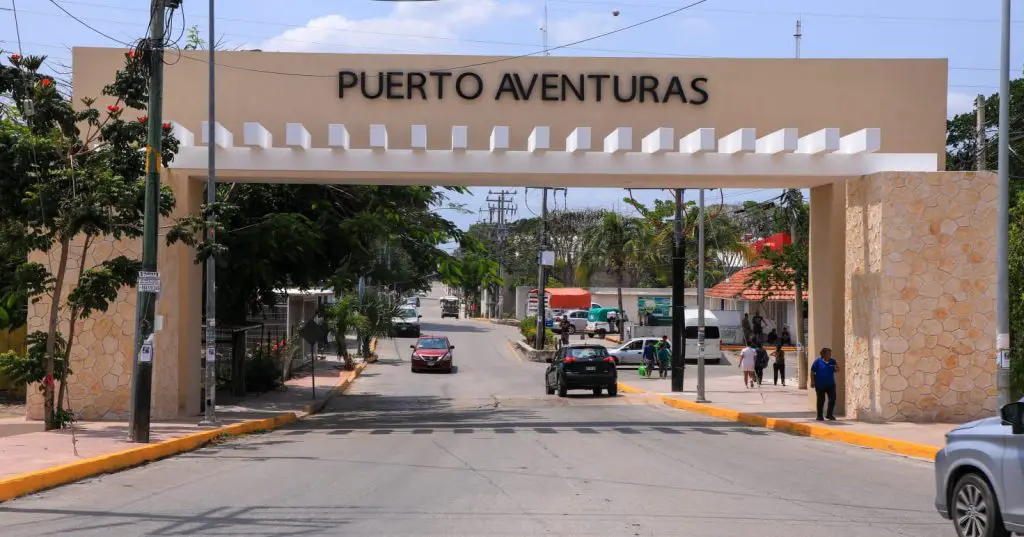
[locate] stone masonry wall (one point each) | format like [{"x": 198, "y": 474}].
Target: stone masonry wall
[
  {"x": 101, "y": 354},
  {"x": 920, "y": 296}
]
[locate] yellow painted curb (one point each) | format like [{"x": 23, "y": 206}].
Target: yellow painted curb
[
  {"x": 48, "y": 478},
  {"x": 823, "y": 432}
]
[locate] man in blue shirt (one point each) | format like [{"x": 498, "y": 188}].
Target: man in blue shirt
[{"x": 823, "y": 380}]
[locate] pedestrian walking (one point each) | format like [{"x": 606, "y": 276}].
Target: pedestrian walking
[
  {"x": 761, "y": 362},
  {"x": 748, "y": 358},
  {"x": 823, "y": 380},
  {"x": 664, "y": 356},
  {"x": 650, "y": 357},
  {"x": 758, "y": 326},
  {"x": 779, "y": 366}
]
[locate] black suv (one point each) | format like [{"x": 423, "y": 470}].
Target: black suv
[{"x": 581, "y": 367}]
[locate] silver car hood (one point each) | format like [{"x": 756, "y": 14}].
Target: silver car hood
[{"x": 986, "y": 426}]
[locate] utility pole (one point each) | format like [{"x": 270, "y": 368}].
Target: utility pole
[
  {"x": 678, "y": 298},
  {"x": 501, "y": 206},
  {"x": 544, "y": 32},
  {"x": 1003, "y": 220},
  {"x": 798, "y": 302},
  {"x": 210, "y": 410},
  {"x": 797, "y": 37},
  {"x": 700, "y": 299},
  {"x": 541, "y": 272},
  {"x": 149, "y": 279},
  {"x": 979, "y": 109}
]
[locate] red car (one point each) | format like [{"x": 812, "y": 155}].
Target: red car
[{"x": 432, "y": 353}]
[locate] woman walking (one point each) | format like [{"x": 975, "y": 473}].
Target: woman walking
[
  {"x": 748, "y": 358},
  {"x": 779, "y": 367}
]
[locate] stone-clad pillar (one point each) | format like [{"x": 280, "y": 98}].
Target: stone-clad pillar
[
  {"x": 826, "y": 260},
  {"x": 920, "y": 296},
  {"x": 101, "y": 354}
]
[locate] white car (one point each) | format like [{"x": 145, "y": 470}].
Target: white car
[{"x": 407, "y": 322}]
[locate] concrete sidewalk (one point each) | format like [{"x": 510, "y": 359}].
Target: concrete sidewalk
[
  {"x": 783, "y": 402},
  {"x": 32, "y": 449}
]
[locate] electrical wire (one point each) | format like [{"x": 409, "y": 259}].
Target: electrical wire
[
  {"x": 480, "y": 63},
  {"x": 491, "y": 42},
  {"x": 17, "y": 26},
  {"x": 87, "y": 25}
]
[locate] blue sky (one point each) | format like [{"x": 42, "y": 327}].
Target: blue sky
[{"x": 967, "y": 33}]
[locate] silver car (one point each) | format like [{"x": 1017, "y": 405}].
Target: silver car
[
  {"x": 979, "y": 475},
  {"x": 577, "y": 321},
  {"x": 632, "y": 351}
]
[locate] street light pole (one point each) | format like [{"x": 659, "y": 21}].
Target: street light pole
[
  {"x": 1003, "y": 220},
  {"x": 700, "y": 299},
  {"x": 678, "y": 298},
  {"x": 210, "y": 411}
]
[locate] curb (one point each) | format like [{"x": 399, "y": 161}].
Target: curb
[
  {"x": 37, "y": 481},
  {"x": 880, "y": 443}
]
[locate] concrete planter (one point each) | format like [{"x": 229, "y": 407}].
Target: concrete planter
[{"x": 533, "y": 354}]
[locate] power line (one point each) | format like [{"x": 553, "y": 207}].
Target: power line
[
  {"x": 568, "y": 46},
  {"x": 83, "y": 23}
]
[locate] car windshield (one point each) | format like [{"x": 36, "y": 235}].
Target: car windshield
[
  {"x": 406, "y": 313},
  {"x": 434, "y": 343},
  {"x": 587, "y": 352}
]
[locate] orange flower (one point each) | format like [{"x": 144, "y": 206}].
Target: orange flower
[
  {"x": 46, "y": 82},
  {"x": 113, "y": 109},
  {"x": 143, "y": 119}
]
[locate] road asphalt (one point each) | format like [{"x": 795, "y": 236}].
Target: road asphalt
[{"x": 483, "y": 452}]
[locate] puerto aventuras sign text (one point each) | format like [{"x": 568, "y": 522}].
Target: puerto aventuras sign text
[{"x": 470, "y": 86}]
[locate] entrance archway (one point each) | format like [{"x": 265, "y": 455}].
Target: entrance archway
[{"x": 902, "y": 255}]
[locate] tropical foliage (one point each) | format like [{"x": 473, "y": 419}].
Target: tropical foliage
[{"x": 69, "y": 177}]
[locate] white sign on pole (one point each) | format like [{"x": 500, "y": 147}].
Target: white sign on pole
[
  {"x": 146, "y": 353},
  {"x": 547, "y": 258},
  {"x": 1003, "y": 359},
  {"x": 149, "y": 282},
  {"x": 211, "y": 354}
]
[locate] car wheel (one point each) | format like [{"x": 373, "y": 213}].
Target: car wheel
[
  {"x": 613, "y": 390},
  {"x": 597, "y": 391},
  {"x": 412, "y": 369},
  {"x": 974, "y": 509},
  {"x": 550, "y": 390},
  {"x": 572, "y": 329},
  {"x": 601, "y": 334},
  {"x": 563, "y": 390}
]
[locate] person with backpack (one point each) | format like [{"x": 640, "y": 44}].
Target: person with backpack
[{"x": 761, "y": 362}]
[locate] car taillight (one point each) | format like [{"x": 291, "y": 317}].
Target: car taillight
[
  {"x": 569, "y": 360},
  {"x": 610, "y": 360}
]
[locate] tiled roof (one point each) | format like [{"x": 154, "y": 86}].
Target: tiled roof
[{"x": 737, "y": 287}]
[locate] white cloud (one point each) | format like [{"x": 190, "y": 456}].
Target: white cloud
[
  {"x": 428, "y": 27},
  {"x": 958, "y": 103}
]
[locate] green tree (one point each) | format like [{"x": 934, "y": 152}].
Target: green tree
[
  {"x": 375, "y": 317},
  {"x": 961, "y": 154},
  {"x": 343, "y": 317},
  {"x": 613, "y": 243},
  {"x": 69, "y": 178}
]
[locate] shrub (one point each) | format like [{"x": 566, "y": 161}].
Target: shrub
[{"x": 262, "y": 371}]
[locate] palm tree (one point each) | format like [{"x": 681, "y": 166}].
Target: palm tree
[
  {"x": 375, "y": 318},
  {"x": 615, "y": 244},
  {"x": 343, "y": 316}
]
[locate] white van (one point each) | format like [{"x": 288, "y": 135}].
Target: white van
[{"x": 712, "y": 337}]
